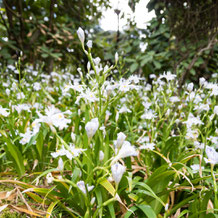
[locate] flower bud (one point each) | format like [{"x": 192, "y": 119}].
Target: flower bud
[
  {"x": 120, "y": 139},
  {"x": 81, "y": 35},
  {"x": 117, "y": 172},
  {"x": 91, "y": 127},
  {"x": 190, "y": 87},
  {"x": 116, "y": 57},
  {"x": 89, "y": 44},
  {"x": 60, "y": 164},
  {"x": 101, "y": 155}
]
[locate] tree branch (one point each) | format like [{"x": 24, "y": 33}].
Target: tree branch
[
  {"x": 21, "y": 22},
  {"x": 9, "y": 9},
  {"x": 209, "y": 46}
]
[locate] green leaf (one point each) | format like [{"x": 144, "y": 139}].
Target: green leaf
[
  {"x": 146, "y": 59},
  {"x": 147, "y": 210},
  {"x": 111, "y": 210},
  {"x": 157, "y": 64},
  {"x": 39, "y": 145},
  {"x": 17, "y": 157},
  {"x": 133, "y": 67},
  {"x": 107, "y": 185},
  {"x": 130, "y": 212},
  {"x": 149, "y": 192},
  {"x": 51, "y": 208}
]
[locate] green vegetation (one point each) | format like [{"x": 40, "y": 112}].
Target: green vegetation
[{"x": 107, "y": 135}]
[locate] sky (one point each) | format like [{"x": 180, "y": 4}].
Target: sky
[{"x": 109, "y": 22}]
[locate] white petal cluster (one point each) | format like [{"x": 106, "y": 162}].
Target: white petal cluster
[
  {"x": 117, "y": 172},
  {"x": 192, "y": 120},
  {"x": 3, "y": 111},
  {"x": 49, "y": 178},
  {"x": 82, "y": 187},
  {"x": 54, "y": 117},
  {"x": 212, "y": 155},
  {"x": 26, "y": 136},
  {"x": 126, "y": 150},
  {"x": 70, "y": 154},
  {"x": 196, "y": 168},
  {"x": 91, "y": 127},
  {"x": 147, "y": 146}
]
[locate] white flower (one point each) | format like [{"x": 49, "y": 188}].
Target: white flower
[
  {"x": 196, "y": 168},
  {"x": 21, "y": 107},
  {"x": 81, "y": 35},
  {"x": 134, "y": 78},
  {"x": 91, "y": 127},
  {"x": 213, "y": 87},
  {"x": 97, "y": 61},
  {"x": 70, "y": 154},
  {"x": 60, "y": 164},
  {"x": 3, "y": 111},
  {"x": 87, "y": 96},
  {"x": 174, "y": 99},
  {"x": 148, "y": 146},
  {"x": 20, "y": 95},
  {"x": 108, "y": 113},
  {"x": 60, "y": 152},
  {"x": 92, "y": 201},
  {"x": 81, "y": 186},
  {"x": 54, "y": 117},
  {"x": 120, "y": 139},
  {"x": 102, "y": 128},
  {"x": 152, "y": 76},
  {"x": 143, "y": 139},
  {"x": 101, "y": 155},
  {"x": 168, "y": 76},
  {"x": 49, "y": 178},
  {"x": 116, "y": 57},
  {"x": 212, "y": 155},
  {"x": 198, "y": 145},
  {"x": 125, "y": 86},
  {"x": 215, "y": 110},
  {"x": 75, "y": 151},
  {"x": 7, "y": 91},
  {"x": 88, "y": 66},
  {"x": 89, "y": 44},
  {"x": 149, "y": 115},
  {"x": 202, "y": 107},
  {"x": 73, "y": 136},
  {"x": 36, "y": 126},
  {"x": 146, "y": 104},
  {"x": 213, "y": 139},
  {"x": 191, "y": 134},
  {"x": 190, "y": 87},
  {"x": 126, "y": 150},
  {"x": 26, "y": 136},
  {"x": 36, "y": 86},
  {"x": 192, "y": 120},
  {"x": 202, "y": 81},
  {"x": 117, "y": 172},
  {"x": 77, "y": 87},
  {"x": 124, "y": 109}
]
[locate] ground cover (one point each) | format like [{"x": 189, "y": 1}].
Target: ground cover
[{"x": 103, "y": 145}]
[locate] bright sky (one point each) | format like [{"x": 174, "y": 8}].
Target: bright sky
[{"x": 109, "y": 22}]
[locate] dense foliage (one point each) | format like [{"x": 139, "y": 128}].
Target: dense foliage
[
  {"x": 182, "y": 39},
  {"x": 44, "y": 31},
  {"x": 100, "y": 145}
]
